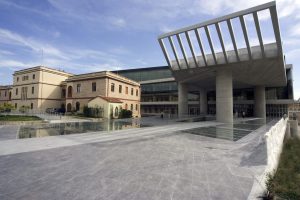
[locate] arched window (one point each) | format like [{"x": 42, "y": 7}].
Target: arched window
[
  {"x": 69, "y": 107},
  {"x": 77, "y": 106},
  {"x": 116, "y": 111},
  {"x": 70, "y": 89},
  {"x": 126, "y": 106}
]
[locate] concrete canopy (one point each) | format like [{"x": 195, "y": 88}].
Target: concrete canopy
[{"x": 261, "y": 64}]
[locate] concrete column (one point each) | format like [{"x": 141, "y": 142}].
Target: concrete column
[
  {"x": 182, "y": 99},
  {"x": 260, "y": 102},
  {"x": 224, "y": 99},
  {"x": 203, "y": 101}
]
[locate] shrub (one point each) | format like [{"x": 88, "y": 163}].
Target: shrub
[
  {"x": 125, "y": 114},
  {"x": 285, "y": 183},
  {"x": 24, "y": 109},
  {"x": 6, "y": 107},
  {"x": 92, "y": 112}
]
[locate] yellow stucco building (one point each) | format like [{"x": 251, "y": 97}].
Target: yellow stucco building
[
  {"x": 80, "y": 89},
  {"x": 5, "y": 94},
  {"x": 41, "y": 88}
]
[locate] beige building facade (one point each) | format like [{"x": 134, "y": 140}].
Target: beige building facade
[
  {"x": 111, "y": 106},
  {"x": 38, "y": 88},
  {"x": 41, "y": 88},
  {"x": 5, "y": 94},
  {"x": 80, "y": 89}
]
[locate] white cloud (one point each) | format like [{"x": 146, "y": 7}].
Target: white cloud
[
  {"x": 11, "y": 38},
  {"x": 56, "y": 34},
  {"x": 6, "y": 53},
  {"x": 296, "y": 94},
  {"x": 295, "y": 30},
  {"x": 118, "y": 22},
  {"x": 76, "y": 59}
]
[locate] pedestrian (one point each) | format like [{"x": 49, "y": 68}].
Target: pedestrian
[
  {"x": 162, "y": 115},
  {"x": 243, "y": 114}
]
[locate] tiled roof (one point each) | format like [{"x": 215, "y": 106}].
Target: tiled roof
[{"x": 109, "y": 99}]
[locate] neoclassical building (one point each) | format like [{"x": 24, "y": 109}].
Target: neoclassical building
[
  {"x": 41, "y": 88},
  {"x": 80, "y": 89}
]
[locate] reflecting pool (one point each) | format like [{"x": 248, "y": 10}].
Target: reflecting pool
[{"x": 52, "y": 129}]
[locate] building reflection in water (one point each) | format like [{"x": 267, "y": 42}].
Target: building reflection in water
[{"x": 52, "y": 129}]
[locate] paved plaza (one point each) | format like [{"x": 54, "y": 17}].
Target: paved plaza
[{"x": 161, "y": 162}]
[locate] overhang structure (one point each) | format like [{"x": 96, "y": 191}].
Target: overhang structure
[
  {"x": 253, "y": 65},
  {"x": 257, "y": 66}
]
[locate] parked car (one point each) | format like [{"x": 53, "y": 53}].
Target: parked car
[{"x": 52, "y": 110}]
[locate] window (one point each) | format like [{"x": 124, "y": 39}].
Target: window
[
  {"x": 120, "y": 88},
  {"x": 24, "y": 78},
  {"x": 24, "y": 93},
  {"x": 116, "y": 111},
  {"x": 131, "y": 107},
  {"x": 63, "y": 93},
  {"x": 32, "y": 90},
  {"x": 16, "y": 105},
  {"x": 112, "y": 87},
  {"x": 17, "y": 79},
  {"x": 126, "y": 90},
  {"x": 70, "y": 91},
  {"x": 137, "y": 92},
  {"x": 131, "y": 91},
  {"x": 77, "y": 106},
  {"x": 78, "y": 88},
  {"x": 5, "y": 93},
  {"x": 94, "y": 87},
  {"x": 31, "y": 106},
  {"x": 126, "y": 106},
  {"x": 33, "y": 76},
  {"x": 17, "y": 91},
  {"x": 136, "y": 107}
]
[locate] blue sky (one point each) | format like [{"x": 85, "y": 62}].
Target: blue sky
[{"x": 91, "y": 35}]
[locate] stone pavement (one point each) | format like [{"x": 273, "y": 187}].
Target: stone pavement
[{"x": 147, "y": 163}]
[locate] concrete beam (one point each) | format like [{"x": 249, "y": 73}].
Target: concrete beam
[
  {"x": 261, "y": 43},
  {"x": 221, "y": 41},
  {"x": 224, "y": 99},
  {"x": 174, "y": 51},
  {"x": 201, "y": 46},
  {"x": 192, "y": 48},
  {"x": 271, "y": 4},
  {"x": 211, "y": 45},
  {"x": 232, "y": 36},
  {"x": 165, "y": 52},
  {"x": 244, "y": 28},
  {"x": 182, "y": 50}
]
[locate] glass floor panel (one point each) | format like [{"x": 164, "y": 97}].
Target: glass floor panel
[
  {"x": 250, "y": 127},
  {"x": 219, "y": 132}
]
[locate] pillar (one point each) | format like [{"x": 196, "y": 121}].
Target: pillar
[
  {"x": 203, "y": 101},
  {"x": 260, "y": 102},
  {"x": 182, "y": 99},
  {"x": 224, "y": 99}
]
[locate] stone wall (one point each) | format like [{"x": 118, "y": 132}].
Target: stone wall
[{"x": 274, "y": 142}]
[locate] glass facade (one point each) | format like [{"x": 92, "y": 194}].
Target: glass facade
[
  {"x": 164, "y": 87},
  {"x": 168, "y": 92},
  {"x": 146, "y": 74}
]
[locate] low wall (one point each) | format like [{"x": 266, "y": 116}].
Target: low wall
[{"x": 274, "y": 143}]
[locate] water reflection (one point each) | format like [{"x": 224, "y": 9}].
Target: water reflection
[
  {"x": 42, "y": 130},
  {"x": 219, "y": 132}
]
